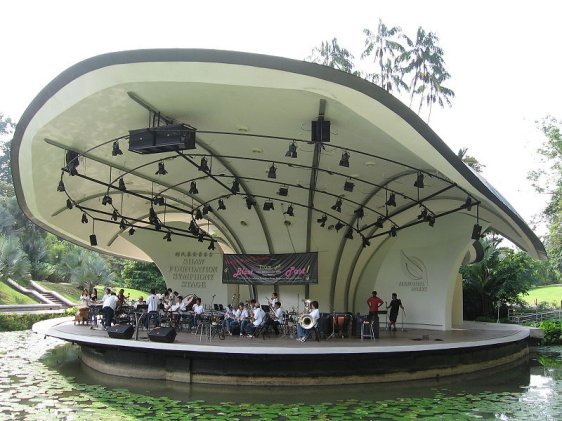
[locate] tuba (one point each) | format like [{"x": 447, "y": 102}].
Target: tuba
[{"x": 306, "y": 321}]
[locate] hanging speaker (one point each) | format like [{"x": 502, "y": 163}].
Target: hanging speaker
[{"x": 162, "y": 334}]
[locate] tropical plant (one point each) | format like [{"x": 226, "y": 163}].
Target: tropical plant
[
  {"x": 143, "y": 276},
  {"x": 13, "y": 260},
  {"x": 470, "y": 160},
  {"x": 331, "y": 54},
  {"x": 86, "y": 268}
]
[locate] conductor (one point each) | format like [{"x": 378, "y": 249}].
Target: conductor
[{"x": 374, "y": 303}]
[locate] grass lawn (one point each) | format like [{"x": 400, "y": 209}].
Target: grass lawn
[
  {"x": 551, "y": 294},
  {"x": 134, "y": 294},
  {"x": 8, "y": 295}
]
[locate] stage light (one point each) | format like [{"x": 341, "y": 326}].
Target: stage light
[
  {"x": 250, "y": 202},
  {"x": 72, "y": 162},
  {"x": 193, "y": 228},
  {"x": 339, "y": 225},
  {"x": 168, "y": 237},
  {"x": 392, "y": 231},
  {"x": 337, "y": 205},
  {"x": 423, "y": 214},
  {"x": 431, "y": 220},
  {"x": 380, "y": 222},
  {"x": 344, "y": 161},
  {"x": 349, "y": 234},
  {"x": 106, "y": 200},
  {"x": 84, "y": 219},
  {"x": 391, "y": 201},
  {"x": 476, "y": 232},
  {"x": 157, "y": 225},
  {"x": 468, "y": 204},
  {"x": 116, "y": 149},
  {"x": 60, "y": 187},
  {"x": 359, "y": 212},
  {"x": 283, "y": 191},
  {"x": 93, "y": 240},
  {"x": 419, "y": 181},
  {"x": 235, "y": 187},
  {"x": 290, "y": 211},
  {"x": 267, "y": 206},
  {"x": 207, "y": 208},
  {"x": 193, "y": 188},
  {"x": 114, "y": 215},
  {"x": 348, "y": 186},
  {"x": 122, "y": 185},
  {"x": 152, "y": 217},
  {"x": 132, "y": 231},
  {"x": 69, "y": 204},
  {"x": 198, "y": 214},
  {"x": 322, "y": 221},
  {"x": 161, "y": 169},
  {"x": 221, "y": 205},
  {"x": 122, "y": 225},
  {"x": 365, "y": 243},
  {"x": 272, "y": 172},
  {"x": 203, "y": 166},
  {"x": 159, "y": 200},
  {"x": 201, "y": 236},
  {"x": 292, "y": 152},
  {"x": 211, "y": 245}
]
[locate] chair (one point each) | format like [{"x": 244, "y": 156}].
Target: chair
[
  {"x": 263, "y": 329},
  {"x": 369, "y": 334}
]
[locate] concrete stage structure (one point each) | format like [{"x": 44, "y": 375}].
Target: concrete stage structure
[{"x": 288, "y": 157}]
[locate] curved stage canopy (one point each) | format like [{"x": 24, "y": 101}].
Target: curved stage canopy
[{"x": 384, "y": 202}]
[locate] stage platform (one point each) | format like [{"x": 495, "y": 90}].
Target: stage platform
[{"x": 402, "y": 355}]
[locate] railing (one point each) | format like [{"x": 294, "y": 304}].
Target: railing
[{"x": 534, "y": 316}]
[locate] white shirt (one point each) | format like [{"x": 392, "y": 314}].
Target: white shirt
[
  {"x": 175, "y": 307},
  {"x": 84, "y": 299},
  {"x": 197, "y": 309},
  {"x": 279, "y": 313},
  {"x": 315, "y": 314},
  {"x": 110, "y": 301},
  {"x": 259, "y": 314},
  {"x": 152, "y": 302}
]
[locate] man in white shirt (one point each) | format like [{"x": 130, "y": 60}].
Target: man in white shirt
[
  {"x": 278, "y": 316},
  {"x": 152, "y": 301},
  {"x": 302, "y": 333},
  {"x": 108, "y": 309},
  {"x": 198, "y": 310},
  {"x": 259, "y": 319},
  {"x": 240, "y": 315}
]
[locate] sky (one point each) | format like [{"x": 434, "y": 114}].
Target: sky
[{"x": 504, "y": 57}]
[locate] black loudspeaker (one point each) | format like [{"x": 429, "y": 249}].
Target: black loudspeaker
[
  {"x": 121, "y": 331},
  {"x": 173, "y": 137},
  {"x": 162, "y": 334},
  {"x": 320, "y": 130}
]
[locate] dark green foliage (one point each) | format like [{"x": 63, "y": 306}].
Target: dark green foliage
[
  {"x": 143, "y": 276},
  {"x": 552, "y": 332},
  {"x": 11, "y": 322}
]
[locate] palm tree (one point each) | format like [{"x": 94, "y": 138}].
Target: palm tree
[
  {"x": 86, "y": 268},
  {"x": 385, "y": 47},
  {"x": 470, "y": 160},
  {"x": 331, "y": 54},
  {"x": 13, "y": 260}
]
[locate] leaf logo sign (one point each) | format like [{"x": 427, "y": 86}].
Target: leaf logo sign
[{"x": 414, "y": 268}]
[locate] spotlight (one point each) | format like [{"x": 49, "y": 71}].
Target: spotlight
[
  {"x": 339, "y": 225},
  {"x": 132, "y": 231},
  {"x": 283, "y": 191},
  {"x": 431, "y": 220},
  {"x": 157, "y": 225},
  {"x": 84, "y": 219},
  {"x": 122, "y": 185},
  {"x": 391, "y": 200},
  {"x": 380, "y": 222},
  {"x": 60, "y": 187},
  {"x": 116, "y": 149},
  {"x": 69, "y": 204},
  {"x": 365, "y": 243},
  {"x": 322, "y": 221},
  {"x": 337, "y": 205},
  {"x": 159, "y": 200},
  {"x": 206, "y": 209},
  {"x": 344, "y": 161},
  {"x": 250, "y": 202},
  {"x": 467, "y": 203},
  {"x": 267, "y": 206},
  {"x": 152, "y": 217},
  {"x": 198, "y": 214},
  {"x": 193, "y": 188},
  {"x": 348, "y": 186},
  {"x": 168, "y": 237},
  {"x": 200, "y": 236},
  {"x": 211, "y": 245},
  {"x": 272, "y": 172},
  {"x": 423, "y": 214},
  {"x": 476, "y": 232},
  {"x": 235, "y": 187},
  {"x": 349, "y": 234},
  {"x": 359, "y": 212},
  {"x": 114, "y": 215},
  {"x": 203, "y": 166},
  {"x": 193, "y": 228},
  {"x": 392, "y": 232},
  {"x": 72, "y": 162},
  {"x": 419, "y": 181},
  {"x": 122, "y": 225},
  {"x": 161, "y": 169},
  {"x": 93, "y": 240},
  {"x": 292, "y": 152},
  {"x": 106, "y": 200},
  {"x": 221, "y": 205},
  {"x": 290, "y": 211}
]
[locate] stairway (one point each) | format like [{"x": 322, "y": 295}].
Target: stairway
[{"x": 52, "y": 298}]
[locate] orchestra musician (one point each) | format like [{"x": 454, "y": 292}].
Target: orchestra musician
[
  {"x": 277, "y": 317},
  {"x": 229, "y": 318},
  {"x": 175, "y": 310},
  {"x": 153, "y": 303},
  {"x": 198, "y": 310},
  {"x": 259, "y": 319},
  {"x": 274, "y": 299},
  {"x": 245, "y": 317},
  {"x": 302, "y": 333}
]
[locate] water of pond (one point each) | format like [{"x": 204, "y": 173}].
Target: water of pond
[{"x": 41, "y": 378}]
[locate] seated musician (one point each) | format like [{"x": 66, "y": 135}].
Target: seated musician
[
  {"x": 249, "y": 314},
  {"x": 278, "y": 317},
  {"x": 197, "y": 310},
  {"x": 302, "y": 333},
  {"x": 240, "y": 314},
  {"x": 175, "y": 310},
  {"x": 141, "y": 301},
  {"x": 228, "y": 319},
  {"x": 259, "y": 319}
]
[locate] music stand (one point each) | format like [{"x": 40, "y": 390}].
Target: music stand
[{"x": 265, "y": 308}]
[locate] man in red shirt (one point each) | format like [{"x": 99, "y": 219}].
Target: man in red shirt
[{"x": 374, "y": 303}]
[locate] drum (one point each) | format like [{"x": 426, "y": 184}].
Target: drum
[{"x": 340, "y": 324}]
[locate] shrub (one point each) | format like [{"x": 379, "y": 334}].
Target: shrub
[
  {"x": 552, "y": 330},
  {"x": 10, "y": 322}
]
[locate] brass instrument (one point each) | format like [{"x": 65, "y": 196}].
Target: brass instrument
[{"x": 306, "y": 321}]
